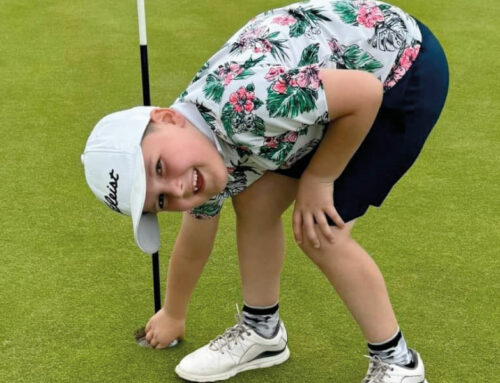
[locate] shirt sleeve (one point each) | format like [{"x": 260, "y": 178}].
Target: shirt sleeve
[{"x": 210, "y": 208}]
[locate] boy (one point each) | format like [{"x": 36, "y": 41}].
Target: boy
[{"x": 325, "y": 103}]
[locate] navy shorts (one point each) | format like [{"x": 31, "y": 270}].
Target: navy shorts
[{"x": 407, "y": 115}]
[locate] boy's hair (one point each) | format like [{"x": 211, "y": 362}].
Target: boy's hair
[{"x": 149, "y": 129}]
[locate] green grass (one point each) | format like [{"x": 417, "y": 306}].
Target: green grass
[{"x": 73, "y": 286}]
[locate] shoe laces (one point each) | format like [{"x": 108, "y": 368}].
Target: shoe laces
[
  {"x": 232, "y": 336},
  {"x": 377, "y": 370}
]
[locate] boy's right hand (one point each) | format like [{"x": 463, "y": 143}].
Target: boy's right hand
[{"x": 162, "y": 329}]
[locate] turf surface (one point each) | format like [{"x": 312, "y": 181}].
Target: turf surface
[{"x": 73, "y": 286}]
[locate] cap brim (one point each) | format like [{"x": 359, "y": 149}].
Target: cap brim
[{"x": 146, "y": 228}]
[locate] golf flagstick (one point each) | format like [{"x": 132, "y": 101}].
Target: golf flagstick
[
  {"x": 143, "y": 41},
  {"x": 143, "y": 45}
]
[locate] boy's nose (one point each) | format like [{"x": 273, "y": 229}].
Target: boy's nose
[{"x": 175, "y": 187}]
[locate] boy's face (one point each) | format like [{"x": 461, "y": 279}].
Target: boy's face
[{"x": 183, "y": 167}]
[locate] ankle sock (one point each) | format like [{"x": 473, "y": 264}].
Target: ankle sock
[
  {"x": 393, "y": 351},
  {"x": 263, "y": 320}
]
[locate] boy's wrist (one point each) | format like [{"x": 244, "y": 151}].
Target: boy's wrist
[
  {"x": 316, "y": 175},
  {"x": 173, "y": 315}
]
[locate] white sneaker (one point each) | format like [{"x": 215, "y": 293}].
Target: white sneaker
[
  {"x": 239, "y": 349},
  {"x": 380, "y": 372}
]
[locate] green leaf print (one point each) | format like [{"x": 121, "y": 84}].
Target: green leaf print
[
  {"x": 213, "y": 88},
  {"x": 259, "y": 126},
  {"x": 347, "y": 12},
  {"x": 243, "y": 75},
  {"x": 260, "y": 41},
  {"x": 183, "y": 96},
  {"x": 278, "y": 48},
  {"x": 227, "y": 117},
  {"x": 277, "y": 154},
  {"x": 356, "y": 58},
  {"x": 207, "y": 114},
  {"x": 208, "y": 209},
  {"x": 307, "y": 20},
  {"x": 257, "y": 103},
  {"x": 250, "y": 63},
  {"x": 291, "y": 103},
  {"x": 309, "y": 55},
  {"x": 298, "y": 29},
  {"x": 200, "y": 72}
]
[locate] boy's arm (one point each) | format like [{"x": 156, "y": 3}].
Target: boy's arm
[
  {"x": 192, "y": 248},
  {"x": 191, "y": 251},
  {"x": 353, "y": 99}
]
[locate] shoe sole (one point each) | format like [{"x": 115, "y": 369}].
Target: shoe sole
[{"x": 252, "y": 365}]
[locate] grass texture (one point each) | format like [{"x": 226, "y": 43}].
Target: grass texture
[{"x": 73, "y": 285}]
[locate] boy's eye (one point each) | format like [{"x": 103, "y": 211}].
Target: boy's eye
[
  {"x": 161, "y": 201},
  {"x": 158, "y": 168}
]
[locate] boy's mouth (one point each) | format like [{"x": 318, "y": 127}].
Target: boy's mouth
[{"x": 197, "y": 181}]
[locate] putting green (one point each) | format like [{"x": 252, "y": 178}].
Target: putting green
[{"x": 73, "y": 285}]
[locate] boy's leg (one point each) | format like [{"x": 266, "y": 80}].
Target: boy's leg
[
  {"x": 360, "y": 284},
  {"x": 357, "y": 280},
  {"x": 260, "y": 339},
  {"x": 260, "y": 236}
]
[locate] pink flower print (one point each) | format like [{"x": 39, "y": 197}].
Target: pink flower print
[
  {"x": 399, "y": 73},
  {"x": 280, "y": 86},
  {"x": 274, "y": 72},
  {"x": 271, "y": 142},
  {"x": 235, "y": 70},
  {"x": 302, "y": 80},
  {"x": 230, "y": 169},
  {"x": 241, "y": 100},
  {"x": 308, "y": 77},
  {"x": 369, "y": 15},
  {"x": 249, "y": 102},
  {"x": 251, "y": 34},
  {"x": 233, "y": 67},
  {"x": 315, "y": 83},
  {"x": 409, "y": 55},
  {"x": 262, "y": 46},
  {"x": 228, "y": 72},
  {"x": 290, "y": 137},
  {"x": 405, "y": 62},
  {"x": 390, "y": 83},
  {"x": 335, "y": 46},
  {"x": 228, "y": 78},
  {"x": 284, "y": 20}
]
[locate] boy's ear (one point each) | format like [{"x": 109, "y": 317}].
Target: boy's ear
[{"x": 167, "y": 116}]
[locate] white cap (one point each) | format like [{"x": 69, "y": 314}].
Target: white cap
[{"x": 114, "y": 170}]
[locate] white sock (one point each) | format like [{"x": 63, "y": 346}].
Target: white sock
[
  {"x": 263, "y": 320},
  {"x": 393, "y": 350}
]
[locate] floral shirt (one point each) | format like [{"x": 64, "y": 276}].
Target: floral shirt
[{"x": 261, "y": 95}]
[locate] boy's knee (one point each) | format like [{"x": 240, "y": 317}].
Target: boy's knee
[
  {"x": 266, "y": 199},
  {"x": 256, "y": 209},
  {"x": 342, "y": 238}
]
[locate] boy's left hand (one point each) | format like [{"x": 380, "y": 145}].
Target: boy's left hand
[
  {"x": 162, "y": 329},
  {"x": 313, "y": 203}
]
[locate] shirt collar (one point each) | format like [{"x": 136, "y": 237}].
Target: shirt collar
[{"x": 190, "y": 111}]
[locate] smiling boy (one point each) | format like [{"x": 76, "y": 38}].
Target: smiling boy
[{"x": 325, "y": 103}]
